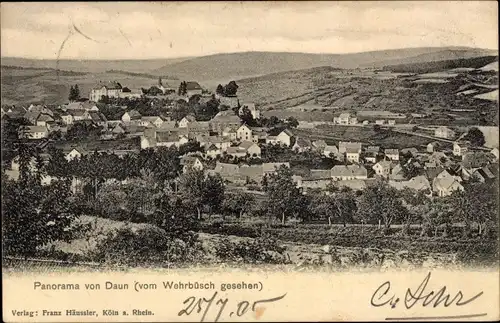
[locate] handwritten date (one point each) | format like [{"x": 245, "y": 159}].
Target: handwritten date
[
  {"x": 412, "y": 297},
  {"x": 198, "y": 305}
]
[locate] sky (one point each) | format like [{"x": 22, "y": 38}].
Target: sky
[{"x": 133, "y": 30}]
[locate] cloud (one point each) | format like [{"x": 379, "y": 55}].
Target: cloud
[{"x": 142, "y": 30}]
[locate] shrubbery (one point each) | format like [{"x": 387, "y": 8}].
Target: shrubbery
[
  {"x": 144, "y": 246},
  {"x": 256, "y": 251}
]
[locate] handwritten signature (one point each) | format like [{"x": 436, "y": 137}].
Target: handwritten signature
[
  {"x": 435, "y": 298},
  {"x": 197, "y": 305}
]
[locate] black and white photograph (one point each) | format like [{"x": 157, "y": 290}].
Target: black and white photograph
[{"x": 299, "y": 137}]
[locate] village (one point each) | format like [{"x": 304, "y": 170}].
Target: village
[{"x": 232, "y": 146}]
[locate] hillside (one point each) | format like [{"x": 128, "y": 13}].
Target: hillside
[
  {"x": 92, "y": 66},
  {"x": 436, "y": 66},
  {"x": 242, "y": 65},
  {"x": 446, "y": 96},
  {"x": 47, "y": 86}
]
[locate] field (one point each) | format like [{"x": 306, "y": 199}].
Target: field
[
  {"x": 317, "y": 245},
  {"x": 32, "y": 86},
  {"x": 366, "y": 135}
]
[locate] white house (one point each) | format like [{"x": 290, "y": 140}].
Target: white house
[
  {"x": 244, "y": 133},
  {"x": 131, "y": 116},
  {"x": 112, "y": 90},
  {"x": 74, "y": 153},
  {"x": 186, "y": 120},
  {"x": 285, "y": 138},
  {"x": 191, "y": 162},
  {"x": 392, "y": 154},
  {"x": 383, "y": 168},
  {"x": 348, "y": 172},
  {"x": 33, "y": 132},
  {"x": 151, "y": 121},
  {"x": 444, "y": 132},
  {"x": 352, "y": 154},
  {"x": 460, "y": 148},
  {"x": 345, "y": 119}
]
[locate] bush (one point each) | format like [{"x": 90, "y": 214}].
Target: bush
[
  {"x": 256, "y": 251},
  {"x": 144, "y": 247}
]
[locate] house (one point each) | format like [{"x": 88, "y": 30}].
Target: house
[
  {"x": 445, "y": 186},
  {"x": 348, "y": 172},
  {"x": 43, "y": 120},
  {"x": 165, "y": 139},
  {"x": 132, "y": 115},
  {"x": 230, "y": 133},
  {"x": 80, "y": 115},
  {"x": 380, "y": 122},
  {"x": 432, "y": 146},
  {"x": 154, "y": 121},
  {"x": 343, "y": 145},
  {"x": 75, "y": 153},
  {"x": 285, "y": 138},
  {"x": 168, "y": 126},
  {"x": 220, "y": 142},
  {"x": 302, "y": 144},
  {"x": 228, "y": 172},
  {"x": 191, "y": 162},
  {"x": 98, "y": 118},
  {"x": 270, "y": 168},
  {"x": 352, "y": 154},
  {"x": 418, "y": 183},
  {"x": 245, "y": 148},
  {"x": 212, "y": 151},
  {"x": 318, "y": 179},
  {"x": 118, "y": 129},
  {"x": 186, "y": 120},
  {"x": 224, "y": 119},
  {"x": 397, "y": 173},
  {"x": 460, "y": 148},
  {"x": 111, "y": 90},
  {"x": 33, "y": 132},
  {"x": 67, "y": 118},
  {"x": 193, "y": 88},
  {"x": 259, "y": 134},
  {"x": 391, "y": 122},
  {"x": 485, "y": 174},
  {"x": 383, "y": 168},
  {"x": 251, "y": 107},
  {"x": 244, "y": 133},
  {"x": 392, "y": 154},
  {"x": 371, "y": 154},
  {"x": 197, "y": 128},
  {"x": 495, "y": 153},
  {"x": 444, "y": 132},
  {"x": 320, "y": 145},
  {"x": 345, "y": 119},
  {"x": 410, "y": 151},
  {"x": 252, "y": 173}
]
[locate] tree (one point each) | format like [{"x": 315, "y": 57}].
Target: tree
[
  {"x": 198, "y": 191},
  {"x": 415, "y": 202},
  {"x": 284, "y": 198},
  {"x": 238, "y": 202},
  {"x": 340, "y": 206},
  {"x": 230, "y": 89},
  {"x": 292, "y": 122},
  {"x": 382, "y": 203},
  {"x": 479, "y": 204},
  {"x": 220, "y": 90},
  {"x": 74, "y": 93},
  {"x": 34, "y": 215},
  {"x": 246, "y": 116},
  {"x": 182, "y": 88},
  {"x": 475, "y": 136}
]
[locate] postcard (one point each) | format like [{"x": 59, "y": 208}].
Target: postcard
[{"x": 250, "y": 161}]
